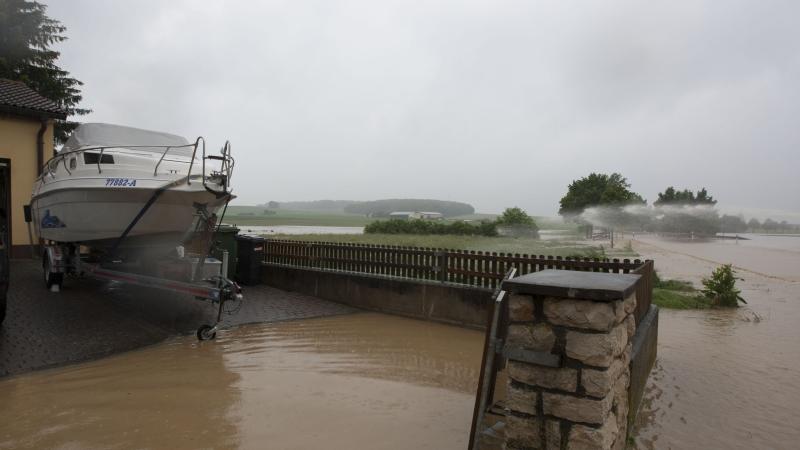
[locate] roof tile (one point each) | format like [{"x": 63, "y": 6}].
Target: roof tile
[{"x": 16, "y": 94}]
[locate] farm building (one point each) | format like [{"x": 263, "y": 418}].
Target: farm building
[{"x": 407, "y": 215}]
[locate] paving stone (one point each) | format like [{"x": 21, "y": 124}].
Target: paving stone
[
  {"x": 521, "y": 400},
  {"x": 537, "y": 337},
  {"x": 90, "y": 319},
  {"x": 520, "y": 308},
  {"x": 582, "y": 437},
  {"x": 577, "y": 409},
  {"x": 523, "y": 432},
  {"x": 599, "y": 383},
  {"x": 552, "y": 430},
  {"x": 561, "y": 378},
  {"x": 597, "y": 349},
  {"x": 598, "y": 316}
]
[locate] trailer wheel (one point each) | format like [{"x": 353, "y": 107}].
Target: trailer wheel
[
  {"x": 51, "y": 278},
  {"x": 2, "y": 307},
  {"x": 204, "y": 333}
]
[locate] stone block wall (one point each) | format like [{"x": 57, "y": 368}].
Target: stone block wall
[{"x": 568, "y": 370}]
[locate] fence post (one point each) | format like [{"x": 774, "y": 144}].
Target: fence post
[{"x": 442, "y": 265}]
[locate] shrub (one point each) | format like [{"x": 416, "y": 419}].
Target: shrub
[
  {"x": 720, "y": 288},
  {"x": 515, "y": 222},
  {"x": 419, "y": 226},
  {"x": 515, "y": 216}
]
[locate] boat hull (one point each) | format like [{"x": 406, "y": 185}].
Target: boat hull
[{"x": 97, "y": 217}]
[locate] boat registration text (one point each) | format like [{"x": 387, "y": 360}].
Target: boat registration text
[{"x": 123, "y": 182}]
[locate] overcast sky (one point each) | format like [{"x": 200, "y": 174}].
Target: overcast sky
[{"x": 489, "y": 102}]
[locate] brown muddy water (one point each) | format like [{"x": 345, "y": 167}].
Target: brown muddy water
[
  {"x": 727, "y": 379},
  {"x": 357, "y": 381}
]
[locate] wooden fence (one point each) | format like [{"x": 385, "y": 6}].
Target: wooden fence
[{"x": 475, "y": 268}]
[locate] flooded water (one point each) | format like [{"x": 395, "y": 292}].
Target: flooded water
[
  {"x": 298, "y": 229},
  {"x": 558, "y": 235},
  {"x": 357, "y": 381},
  {"x": 789, "y": 242},
  {"x": 727, "y": 379},
  {"x": 547, "y": 235}
]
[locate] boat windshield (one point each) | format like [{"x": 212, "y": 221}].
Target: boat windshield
[{"x": 107, "y": 135}]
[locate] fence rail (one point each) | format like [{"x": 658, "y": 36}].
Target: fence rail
[{"x": 475, "y": 268}]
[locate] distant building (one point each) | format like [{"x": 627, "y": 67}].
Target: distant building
[
  {"x": 431, "y": 215},
  {"x": 404, "y": 215},
  {"x": 26, "y": 144},
  {"x": 408, "y": 215}
]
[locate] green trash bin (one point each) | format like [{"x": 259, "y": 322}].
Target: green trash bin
[{"x": 225, "y": 239}]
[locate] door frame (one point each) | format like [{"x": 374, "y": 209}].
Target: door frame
[{"x": 9, "y": 214}]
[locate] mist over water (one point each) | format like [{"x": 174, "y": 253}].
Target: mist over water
[{"x": 672, "y": 217}]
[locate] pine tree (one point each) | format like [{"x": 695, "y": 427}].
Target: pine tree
[{"x": 26, "y": 37}]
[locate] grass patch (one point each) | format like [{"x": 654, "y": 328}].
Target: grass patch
[
  {"x": 528, "y": 246},
  {"x": 671, "y": 299},
  {"x": 556, "y": 223},
  {"x": 259, "y": 215},
  {"x": 675, "y": 285},
  {"x": 678, "y": 294}
]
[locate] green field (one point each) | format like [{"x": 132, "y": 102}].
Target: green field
[
  {"x": 256, "y": 215},
  {"x": 477, "y": 243},
  {"x": 566, "y": 245},
  {"x": 556, "y": 223}
]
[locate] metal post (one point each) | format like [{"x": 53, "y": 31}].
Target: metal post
[{"x": 224, "y": 273}]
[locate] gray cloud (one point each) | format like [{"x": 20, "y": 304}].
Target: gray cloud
[{"x": 493, "y": 103}]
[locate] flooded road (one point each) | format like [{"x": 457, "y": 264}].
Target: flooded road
[
  {"x": 726, "y": 379},
  {"x": 356, "y": 381}
]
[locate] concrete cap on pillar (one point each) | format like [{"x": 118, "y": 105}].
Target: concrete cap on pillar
[{"x": 597, "y": 286}]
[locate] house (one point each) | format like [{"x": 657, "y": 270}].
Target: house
[
  {"x": 26, "y": 143},
  {"x": 407, "y": 215}
]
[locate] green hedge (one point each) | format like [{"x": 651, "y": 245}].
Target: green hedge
[{"x": 419, "y": 226}]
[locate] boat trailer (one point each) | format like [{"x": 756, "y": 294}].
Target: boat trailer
[
  {"x": 61, "y": 259},
  {"x": 181, "y": 274}
]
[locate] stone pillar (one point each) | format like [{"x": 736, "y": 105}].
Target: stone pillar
[{"x": 568, "y": 349}]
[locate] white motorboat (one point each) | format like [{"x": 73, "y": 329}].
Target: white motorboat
[{"x": 123, "y": 188}]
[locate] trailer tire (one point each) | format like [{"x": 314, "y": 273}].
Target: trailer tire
[
  {"x": 51, "y": 278},
  {"x": 2, "y": 307},
  {"x": 203, "y": 333}
]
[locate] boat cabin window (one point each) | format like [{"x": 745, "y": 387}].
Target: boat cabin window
[
  {"x": 91, "y": 158},
  {"x": 73, "y": 162}
]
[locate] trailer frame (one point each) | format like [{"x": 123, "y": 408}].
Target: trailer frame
[{"x": 60, "y": 259}]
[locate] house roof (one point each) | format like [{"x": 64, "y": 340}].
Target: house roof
[{"x": 18, "y": 98}]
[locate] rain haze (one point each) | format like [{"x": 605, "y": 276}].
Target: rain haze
[{"x": 491, "y": 103}]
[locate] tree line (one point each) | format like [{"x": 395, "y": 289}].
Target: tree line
[
  {"x": 608, "y": 201},
  {"x": 513, "y": 221},
  {"x": 27, "y": 35}
]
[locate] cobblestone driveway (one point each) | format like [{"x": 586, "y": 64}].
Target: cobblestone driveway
[{"x": 90, "y": 319}]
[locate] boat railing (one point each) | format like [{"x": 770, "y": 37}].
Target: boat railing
[{"x": 226, "y": 160}]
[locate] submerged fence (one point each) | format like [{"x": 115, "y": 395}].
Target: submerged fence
[{"x": 475, "y": 268}]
